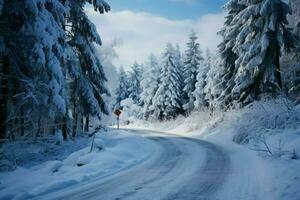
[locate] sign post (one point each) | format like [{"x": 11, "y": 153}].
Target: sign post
[{"x": 118, "y": 113}]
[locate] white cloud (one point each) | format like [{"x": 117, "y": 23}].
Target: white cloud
[
  {"x": 189, "y": 2},
  {"x": 144, "y": 33}
]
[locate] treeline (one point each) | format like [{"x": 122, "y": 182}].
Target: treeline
[
  {"x": 249, "y": 65},
  {"x": 51, "y": 79}
]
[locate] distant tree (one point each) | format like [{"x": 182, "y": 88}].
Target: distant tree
[
  {"x": 122, "y": 89},
  {"x": 213, "y": 89},
  {"x": 180, "y": 68},
  {"x": 135, "y": 83},
  {"x": 192, "y": 65},
  {"x": 199, "y": 93},
  {"x": 149, "y": 84},
  {"x": 167, "y": 98}
]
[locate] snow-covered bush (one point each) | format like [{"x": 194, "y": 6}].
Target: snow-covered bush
[
  {"x": 131, "y": 112},
  {"x": 263, "y": 117},
  {"x": 59, "y": 139},
  {"x": 271, "y": 126},
  {"x": 29, "y": 153}
]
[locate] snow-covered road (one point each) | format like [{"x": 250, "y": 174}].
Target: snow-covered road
[{"x": 180, "y": 168}]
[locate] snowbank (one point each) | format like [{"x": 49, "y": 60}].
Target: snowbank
[
  {"x": 27, "y": 152},
  {"x": 119, "y": 150}
]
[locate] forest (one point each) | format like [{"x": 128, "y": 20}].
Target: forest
[{"x": 257, "y": 59}]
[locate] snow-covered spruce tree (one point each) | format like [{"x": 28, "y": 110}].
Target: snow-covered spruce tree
[
  {"x": 258, "y": 45},
  {"x": 296, "y": 14},
  {"x": 107, "y": 54},
  {"x": 180, "y": 69},
  {"x": 232, "y": 27},
  {"x": 213, "y": 89},
  {"x": 122, "y": 89},
  {"x": 149, "y": 85},
  {"x": 294, "y": 91},
  {"x": 297, "y": 68},
  {"x": 32, "y": 74},
  {"x": 167, "y": 98},
  {"x": 134, "y": 89},
  {"x": 199, "y": 94},
  {"x": 192, "y": 62},
  {"x": 88, "y": 78}
]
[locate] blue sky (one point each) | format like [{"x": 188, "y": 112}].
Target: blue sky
[
  {"x": 172, "y": 9},
  {"x": 146, "y": 26}
]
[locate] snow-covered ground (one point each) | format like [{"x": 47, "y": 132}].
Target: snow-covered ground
[
  {"x": 247, "y": 154},
  {"x": 255, "y": 172},
  {"x": 113, "y": 151},
  {"x": 29, "y": 152}
]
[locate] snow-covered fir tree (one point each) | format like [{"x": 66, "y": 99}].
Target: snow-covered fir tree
[
  {"x": 294, "y": 91},
  {"x": 122, "y": 89},
  {"x": 296, "y": 25},
  {"x": 192, "y": 65},
  {"x": 232, "y": 27},
  {"x": 297, "y": 68},
  {"x": 167, "y": 98},
  {"x": 213, "y": 89},
  {"x": 180, "y": 69},
  {"x": 32, "y": 73},
  {"x": 199, "y": 94},
  {"x": 263, "y": 35},
  {"x": 149, "y": 85},
  {"x": 42, "y": 48},
  {"x": 88, "y": 83},
  {"x": 134, "y": 89}
]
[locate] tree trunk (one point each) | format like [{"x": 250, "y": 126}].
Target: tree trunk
[
  {"x": 65, "y": 128},
  {"x": 278, "y": 69},
  {"x": 75, "y": 122},
  {"x": 81, "y": 124},
  {"x": 22, "y": 121},
  {"x": 3, "y": 96},
  {"x": 87, "y": 121}
]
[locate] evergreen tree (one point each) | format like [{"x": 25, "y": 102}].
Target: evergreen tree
[
  {"x": 229, "y": 32},
  {"x": 199, "y": 93},
  {"x": 213, "y": 88},
  {"x": 167, "y": 98},
  {"x": 32, "y": 59},
  {"x": 135, "y": 83},
  {"x": 297, "y": 67},
  {"x": 180, "y": 69},
  {"x": 193, "y": 60},
  {"x": 122, "y": 89},
  {"x": 149, "y": 85},
  {"x": 88, "y": 83},
  {"x": 295, "y": 88},
  {"x": 258, "y": 45},
  {"x": 44, "y": 45}
]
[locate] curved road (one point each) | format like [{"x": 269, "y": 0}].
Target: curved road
[{"x": 181, "y": 168}]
